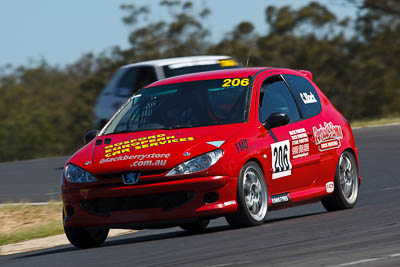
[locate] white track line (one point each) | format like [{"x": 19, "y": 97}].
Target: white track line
[
  {"x": 391, "y": 188},
  {"x": 357, "y": 262},
  {"x": 48, "y": 242},
  {"x": 367, "y": 260},
  {"x": 230, "y": 264}
]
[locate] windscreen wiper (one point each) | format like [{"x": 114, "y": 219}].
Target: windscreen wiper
[
  {"x": 180, "y": 126},
  {"x": 119, "y": 132}
]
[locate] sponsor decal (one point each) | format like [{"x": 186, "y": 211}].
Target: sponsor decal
[
  {"x": 330, "y": 187},
  {"x": 143, "y": 163},
  {"x": 216, "y": 143},
  {"x": 328, "y": 136},
  {"x": 87, "y": 163},
  {"x": 242, "y": 145},
  {"x": 308, "y": 98},
  {"x": 186, "y": 154},
  {"x": 281, "y": 165},
  {"x": 281, "y": 198},
  {"x": 130, "y": 177},
  {"x": 300, "y": 143},
  {"x": 140, "y": 157},
  {"x": 141, "y": 143}
]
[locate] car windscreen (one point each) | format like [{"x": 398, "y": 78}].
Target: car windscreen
[
  {"x": 200, "y": 66},
  {"x": 183, "y": 105}
]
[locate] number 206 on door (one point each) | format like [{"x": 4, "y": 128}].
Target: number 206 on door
[{"x": 281, "y": 165}]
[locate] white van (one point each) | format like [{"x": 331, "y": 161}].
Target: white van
[{"x": 130, "y": 78}]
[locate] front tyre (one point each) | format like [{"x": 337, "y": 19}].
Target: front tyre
[
  {"x": 252, "y": 197},
  {"x": 346, "y": 184},
  {"x": 86, "y": 238},
  {"x": 196, "y": 227}
]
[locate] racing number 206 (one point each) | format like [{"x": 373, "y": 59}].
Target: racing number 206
[
  {"x": 235, "y": 82},
  {"x": 281, "y": 165}
]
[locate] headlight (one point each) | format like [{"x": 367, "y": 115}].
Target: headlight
[
  {"x": 75, "y": 174},
  {"x": 197, "y": 164}
]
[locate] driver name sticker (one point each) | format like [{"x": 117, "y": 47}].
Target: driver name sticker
[
  {"x": 308, "y": 98},
  {"x": 281, "y": 165}
]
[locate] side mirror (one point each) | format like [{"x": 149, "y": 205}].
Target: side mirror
[
  {"x": 89, "y": 136},
  {"x": 276, "y": 119}
]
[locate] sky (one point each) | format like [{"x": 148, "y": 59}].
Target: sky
[{"x": 62, "y": 31}]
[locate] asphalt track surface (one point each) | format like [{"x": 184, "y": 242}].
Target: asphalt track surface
[
  {"x": 368, "y": 235},
  {"x": 36, "y": 180}
]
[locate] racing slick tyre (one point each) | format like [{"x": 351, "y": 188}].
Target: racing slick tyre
[
  {"x": 86, "y": 238},
  {"x": 346, "y": 184},
  {"x": 196, "y": 227},
  {"x": 252, "y": 197}
]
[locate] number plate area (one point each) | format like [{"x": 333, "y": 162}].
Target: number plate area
[{"x": 281, "y": 165}]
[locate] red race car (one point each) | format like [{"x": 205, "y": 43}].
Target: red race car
[{"x": 234, "y": 143}]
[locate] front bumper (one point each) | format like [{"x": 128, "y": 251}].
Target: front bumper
[{"x": 153, "y": 204}]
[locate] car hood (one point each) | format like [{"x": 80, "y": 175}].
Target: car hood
[{"x": 151, "y": 150}]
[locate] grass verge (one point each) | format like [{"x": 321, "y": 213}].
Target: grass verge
[
  {"x": 375, "y": 122},
  {"x": 24, "y": 222}
]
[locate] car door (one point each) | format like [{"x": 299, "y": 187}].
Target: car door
[
  {"x": 294, "y": 165},
  {"x": 326, "y": 134}
]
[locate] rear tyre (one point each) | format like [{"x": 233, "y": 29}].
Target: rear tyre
[
  {"x": 252, "y": 197},
  {"x": 196, "y": 227},
  {"x": 86, "y": 238},
  {"x": 346, "y": 184}
]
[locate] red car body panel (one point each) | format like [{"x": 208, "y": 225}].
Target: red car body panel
[{"x": 327, "y": 134}]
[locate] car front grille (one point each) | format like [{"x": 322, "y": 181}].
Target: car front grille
[{"x": 165, "y": 201}]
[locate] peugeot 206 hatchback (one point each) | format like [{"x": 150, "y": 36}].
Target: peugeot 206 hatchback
[{"x": 236, "y": 143}]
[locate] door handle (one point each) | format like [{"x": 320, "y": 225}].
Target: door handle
[{"x": 310, "y": 136}]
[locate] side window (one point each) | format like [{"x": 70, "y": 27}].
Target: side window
[
  {"x": 305, "y": 94},
  {"x": 275, "y": 97},
  {"x": 135, "y": 79},
  {"x": 145, "y": 77}
]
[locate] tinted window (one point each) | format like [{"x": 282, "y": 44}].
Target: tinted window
[
  {"x": 184, "y": 105},
  {"x": 135, "y": 79},
  {"x": 305, "y": 94},
  {"x": 275, "y": 97}
]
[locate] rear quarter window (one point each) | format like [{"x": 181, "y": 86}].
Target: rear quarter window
[{"x": 305, "y": 94}]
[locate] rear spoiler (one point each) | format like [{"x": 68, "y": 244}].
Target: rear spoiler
[{"x": 307, "y": 73}]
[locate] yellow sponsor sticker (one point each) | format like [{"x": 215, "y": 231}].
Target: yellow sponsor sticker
[
  {"x": 228, "y": 63},
  {"x": 141, "y": 143}
]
